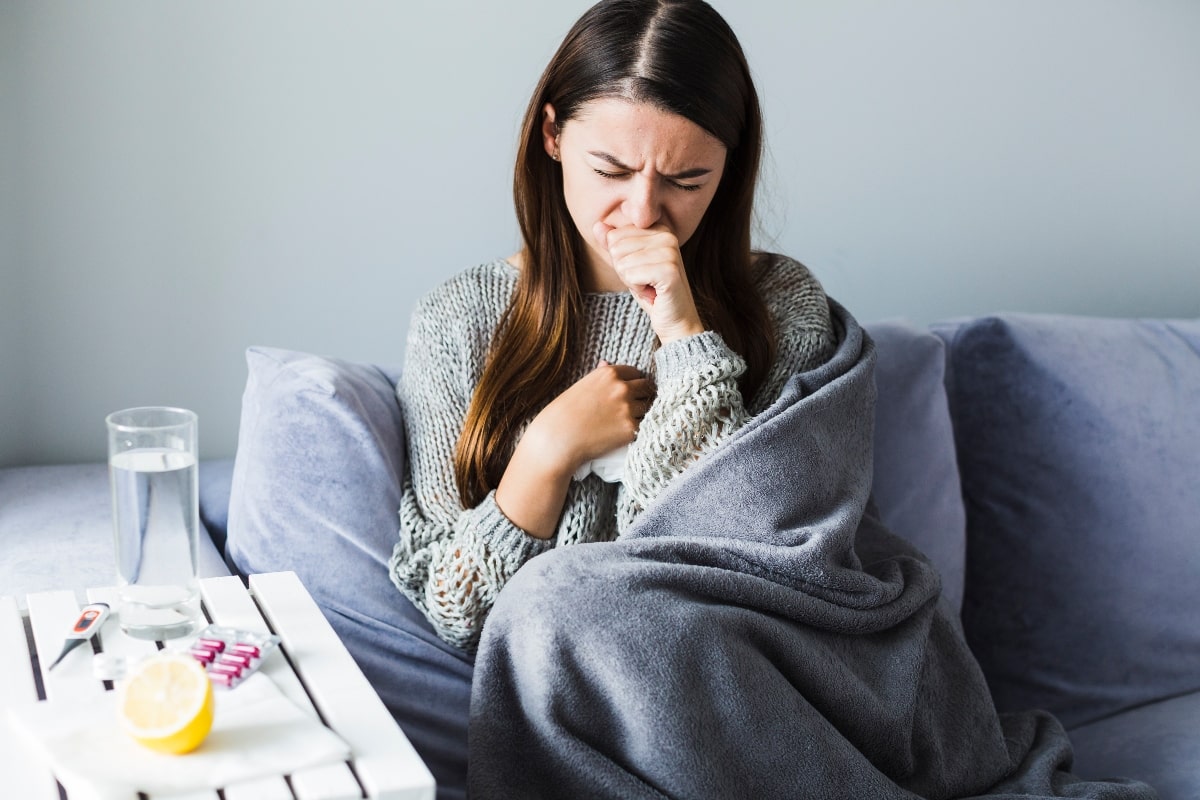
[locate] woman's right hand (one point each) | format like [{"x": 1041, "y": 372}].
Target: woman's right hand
[
  {"x": 597, "y": 414},
  {"x": 594, "y": 416}
]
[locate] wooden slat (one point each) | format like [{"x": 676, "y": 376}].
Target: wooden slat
[
  {"x": 386, "y": 762},
  {"x": 272, "y": 788},
  {"x": 230, "y": 605},
  {"x": 24, "y": 773},
  {"x": 206, "y": 794},
  {"x": 17, "y": 686}
]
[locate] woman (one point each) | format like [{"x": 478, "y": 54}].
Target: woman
[
  {"x": 737, "y": 623},
  {"x": 636, "y": 313}
]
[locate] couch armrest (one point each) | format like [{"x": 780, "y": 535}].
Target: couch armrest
[{"x": 56, "y": 531}]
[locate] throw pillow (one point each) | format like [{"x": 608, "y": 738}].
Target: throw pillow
[
  {"x": 1079, "y": 449},
  {"x": 318, "y": 470},
  {"x": 316, "y": 489}
]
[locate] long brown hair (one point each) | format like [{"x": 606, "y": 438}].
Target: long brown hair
[{"x": 681, "y": 57}]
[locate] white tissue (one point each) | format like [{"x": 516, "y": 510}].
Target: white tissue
[{"x": 610, "y": 466}]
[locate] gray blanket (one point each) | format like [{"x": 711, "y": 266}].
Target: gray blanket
[{"x": 756, "y": 634}]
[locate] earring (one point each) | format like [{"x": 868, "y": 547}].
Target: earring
[{"x": 555, "y": 156}]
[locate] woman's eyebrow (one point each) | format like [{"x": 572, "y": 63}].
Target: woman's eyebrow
[{"x": 679, "y": 176}]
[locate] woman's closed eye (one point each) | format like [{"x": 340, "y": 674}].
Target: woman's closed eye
[{"x": 687, "y": 187}]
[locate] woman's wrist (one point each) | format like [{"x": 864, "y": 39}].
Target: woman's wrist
[
  {"x": 534, "y": 487},
  {"x": 679, "y": 331}
]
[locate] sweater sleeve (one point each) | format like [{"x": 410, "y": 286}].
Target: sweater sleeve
[
  {"x": 699, "y": 405},
  {"x": 450, "y": 561}
]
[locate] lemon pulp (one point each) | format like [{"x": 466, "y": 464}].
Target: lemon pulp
[{"x": 166, "y": 703}]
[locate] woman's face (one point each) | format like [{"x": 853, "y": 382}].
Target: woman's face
[{"x": 627, "y": 163}]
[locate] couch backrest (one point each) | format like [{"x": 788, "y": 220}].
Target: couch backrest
[{"x": 916, "y": 485}]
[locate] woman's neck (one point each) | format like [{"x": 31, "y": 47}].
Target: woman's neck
[{"x": 599, "y": 278}]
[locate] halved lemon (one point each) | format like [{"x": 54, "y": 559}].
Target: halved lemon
[{"x": 166, "y": 703}]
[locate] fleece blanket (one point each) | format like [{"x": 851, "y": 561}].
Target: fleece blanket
[{"x": 756, "y": 634}]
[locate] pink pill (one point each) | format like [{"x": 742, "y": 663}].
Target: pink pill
[
  {"x": 246, "y": 649},
  {"x": 225, "y": 669},
  {"x": 203, "y": 655},
  {"x": 211, "y": 644}
]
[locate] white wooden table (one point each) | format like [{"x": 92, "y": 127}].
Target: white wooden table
[{"x": 318, "y": 674}]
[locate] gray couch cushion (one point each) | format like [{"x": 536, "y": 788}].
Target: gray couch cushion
[
  {"x": 916, "y": 473},
  {"x": 1079, "y": 449},
  {"x": 1155, "y": 743}
]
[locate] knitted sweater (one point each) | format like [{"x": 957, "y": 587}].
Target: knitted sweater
[{"x": 451, "y": 562}]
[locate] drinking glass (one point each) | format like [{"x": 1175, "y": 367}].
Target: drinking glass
[{"x": 156, "y": 519}]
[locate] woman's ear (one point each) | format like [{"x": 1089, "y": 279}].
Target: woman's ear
[{"x": 550, "y": 131}]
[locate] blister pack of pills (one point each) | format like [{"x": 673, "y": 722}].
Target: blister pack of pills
[{"x": 230, "y": 655}]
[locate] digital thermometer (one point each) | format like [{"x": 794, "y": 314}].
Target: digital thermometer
[{"x": 90, "y": 619}]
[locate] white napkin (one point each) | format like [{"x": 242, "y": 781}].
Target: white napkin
[
  {"x": 256, "y": 731},
  {"x": 610, "y": 466}
]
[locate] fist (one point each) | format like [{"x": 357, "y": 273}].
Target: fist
[{"x": 648, "y": 262}]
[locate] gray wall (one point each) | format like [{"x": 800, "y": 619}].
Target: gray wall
[
  {"x": 12, "y": 399},
  {"x": 179, "y": 181}
]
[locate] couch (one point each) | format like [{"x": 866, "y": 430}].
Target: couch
[{"x": 1048, "y": 465}]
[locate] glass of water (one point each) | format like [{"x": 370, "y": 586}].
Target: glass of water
[{"x": 156, "y": 520}]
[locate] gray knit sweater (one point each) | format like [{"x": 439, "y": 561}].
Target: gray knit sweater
[{"x": 451, "y": 562}]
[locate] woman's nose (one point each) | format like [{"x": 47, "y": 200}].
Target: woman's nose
[{"x": 641, "y": 207}]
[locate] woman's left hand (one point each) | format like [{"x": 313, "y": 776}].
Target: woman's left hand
[{"x": 648, "y": 261}]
